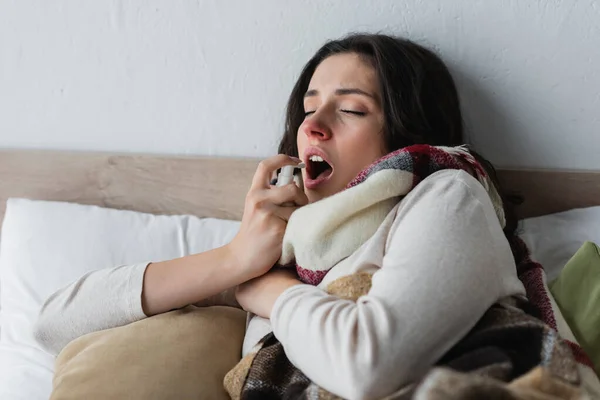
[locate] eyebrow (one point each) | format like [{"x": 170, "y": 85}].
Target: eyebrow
[{"x": 341, "y": 92}]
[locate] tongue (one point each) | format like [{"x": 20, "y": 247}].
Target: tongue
[{"x": 325, "y": 173}]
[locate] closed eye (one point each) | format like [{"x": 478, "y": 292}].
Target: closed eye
[{"x": 359, "y": 113}]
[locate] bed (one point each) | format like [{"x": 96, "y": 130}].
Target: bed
[{"x": 213, "y": 188}]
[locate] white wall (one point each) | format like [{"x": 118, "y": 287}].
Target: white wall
[{"x": 211, "y": 76}]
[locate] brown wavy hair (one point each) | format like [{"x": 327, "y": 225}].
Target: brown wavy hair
[{"x": 419, "y": 98}]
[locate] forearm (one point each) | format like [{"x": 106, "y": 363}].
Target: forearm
[
  {"x": 358, "y": 350},
  {"x": 344, "y": 347},
  {"x": 101, "y": 299},
  {"x": 118, "y": 296},
  {"x": 202, "y": 279}
]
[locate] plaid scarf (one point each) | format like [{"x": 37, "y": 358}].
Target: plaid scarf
[{"x": 512, "y": 353}]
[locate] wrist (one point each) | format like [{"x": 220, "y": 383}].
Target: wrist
[
  {"x": 278, "y": 290},
  {"x": 236, "y": 267}
]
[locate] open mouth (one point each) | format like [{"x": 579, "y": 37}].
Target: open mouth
[{"x": 317, "y": 169}]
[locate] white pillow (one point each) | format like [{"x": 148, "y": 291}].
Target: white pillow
[
  {"x": 46, "y": 245},
  {"x": 554, "y": 239}
]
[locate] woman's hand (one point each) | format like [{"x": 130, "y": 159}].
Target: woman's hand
[
  {"x": 257, "y": 246},
  {"x": 259, "y": 294},
  {"x": 199, "y": 278}
]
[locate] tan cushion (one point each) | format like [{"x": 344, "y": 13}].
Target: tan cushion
[{"x": 182, "y": 354}]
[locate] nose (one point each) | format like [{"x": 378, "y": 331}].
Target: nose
[{"x": 315, "y": 128}]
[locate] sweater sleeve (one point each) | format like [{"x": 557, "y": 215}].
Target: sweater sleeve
[
  {"x": 446, "y": 262},
  {"x": 99, "y": 300}
]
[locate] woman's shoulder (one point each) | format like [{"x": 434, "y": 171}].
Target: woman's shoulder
[
  {"x": 452, "y": 210},
  {"x": 448, "y": 200},
  {"x": 454, "y": 182},
  {"x": 447, "y": 190}
]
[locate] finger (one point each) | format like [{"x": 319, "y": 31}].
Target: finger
[
  {"x": 266, "y": 167},
  {"x": 286, "y": 194}
]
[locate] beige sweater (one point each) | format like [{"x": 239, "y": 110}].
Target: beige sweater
[{"x": 439, "y": 259}]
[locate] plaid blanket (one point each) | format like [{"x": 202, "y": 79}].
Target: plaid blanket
[{"x": 514, "y": 352}]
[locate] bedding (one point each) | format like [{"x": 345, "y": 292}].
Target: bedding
[
  {"x": 536, "y": 284},
  {"x": 553, "y": 239},
  {"x": 182, "y": 354},
  {"x": 46, "y": 245},
  {"x": 577, "y": 293}
]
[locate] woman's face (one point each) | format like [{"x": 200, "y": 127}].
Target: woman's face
[{"x": 342, "y": 132}]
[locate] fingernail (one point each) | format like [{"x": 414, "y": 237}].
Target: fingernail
[{"x": 296, "y": 159}]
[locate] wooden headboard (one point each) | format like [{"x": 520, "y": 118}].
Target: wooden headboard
[{"x": 216, "y": 187}]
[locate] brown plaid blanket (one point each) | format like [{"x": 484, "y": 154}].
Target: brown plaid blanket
[
  {"x": 510, "y": 354},
  {"x": 514, "y": 351}
]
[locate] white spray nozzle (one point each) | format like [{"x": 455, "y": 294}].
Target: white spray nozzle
[{"x": 287, "y": 174}]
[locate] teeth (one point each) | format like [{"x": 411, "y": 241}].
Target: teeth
[{"x": 316, "y": 158}]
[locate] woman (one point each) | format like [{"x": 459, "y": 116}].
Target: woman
[{"x": 439, "y": 259}]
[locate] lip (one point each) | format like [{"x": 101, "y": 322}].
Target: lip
[{"x": 314, "y": 183}]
